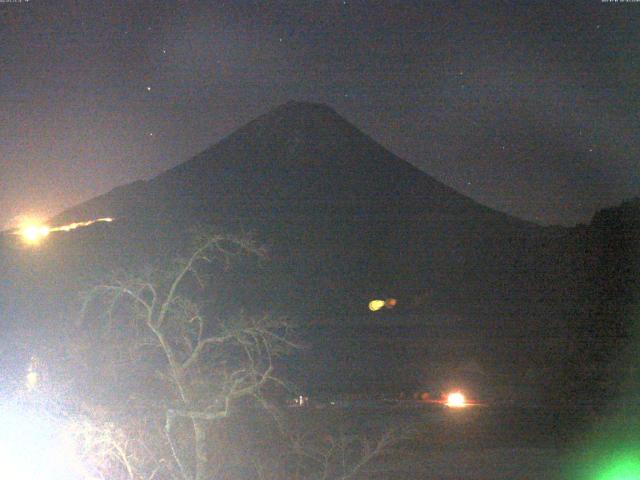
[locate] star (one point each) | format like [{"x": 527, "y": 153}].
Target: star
[{"x": 148, "y": 88}]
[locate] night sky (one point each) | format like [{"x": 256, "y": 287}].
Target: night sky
[{"x": 530, "y": 110}]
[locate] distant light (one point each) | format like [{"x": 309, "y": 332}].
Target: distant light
[
  {"x": 33, "y": 233},
  {"x": 375, "y": 305},
  {"x": 32, "y": 380},
  {"x": 456, "y": 400}
]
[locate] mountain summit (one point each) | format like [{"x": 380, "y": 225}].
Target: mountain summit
[{"x": 302, "y": 153}]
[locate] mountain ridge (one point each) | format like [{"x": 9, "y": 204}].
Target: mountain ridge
[{"x": 304, "y": 131}]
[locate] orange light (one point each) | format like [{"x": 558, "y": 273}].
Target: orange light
[{"x": 456, "y": 400}]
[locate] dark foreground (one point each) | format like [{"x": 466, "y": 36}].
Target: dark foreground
[{"x": 473, "y": 443}]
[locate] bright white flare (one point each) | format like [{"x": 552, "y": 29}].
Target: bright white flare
[
  {"x": 33, "y": 446},
  {"x": 34, "y": 233},
  {"x": 456, "y": 400}
]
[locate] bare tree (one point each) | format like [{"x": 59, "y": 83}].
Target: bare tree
[
  {"x": 166, "y": 381},
  {"x": 201, "y": 365},
  {"x": 337, "y": 457}
]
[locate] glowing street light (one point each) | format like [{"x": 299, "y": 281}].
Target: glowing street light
[{"x": 456, "y": 400}]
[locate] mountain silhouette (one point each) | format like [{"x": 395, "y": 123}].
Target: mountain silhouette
[
  {"x": 341, "y": 214},
  {"x": 344, "y": 221}
]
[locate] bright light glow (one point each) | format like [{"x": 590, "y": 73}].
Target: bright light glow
[
  {"x": 32, "y": 380},
  {"x": 622, "y": 467},
  {"x": 375, "y": 305},
  {"x": 33, "y": 233},
  {"x": 35, "y": 447},
  {"x": 73, "y": 226},
  {"x": 456, "y": 400}
]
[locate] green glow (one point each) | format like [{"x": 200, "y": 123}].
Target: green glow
[
  {"x": 608, "y": 463},
  {"x": 625, "y": 466},
  {"x": 614, "y": 455}
]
